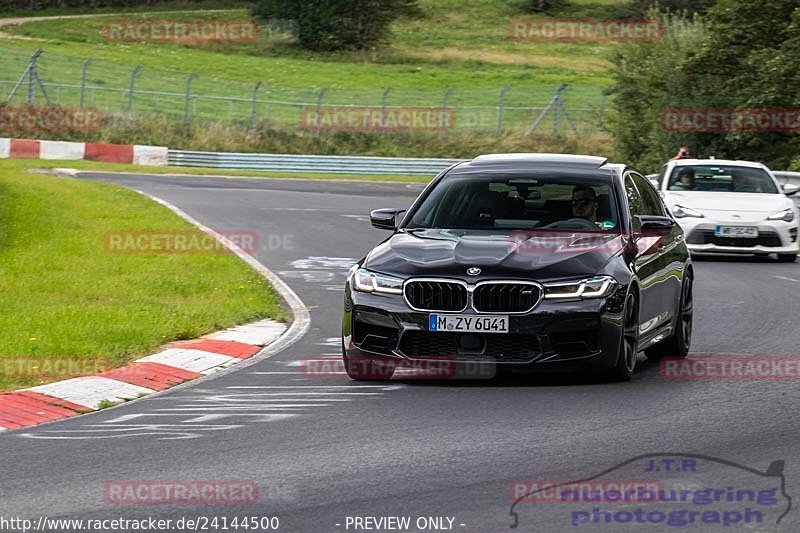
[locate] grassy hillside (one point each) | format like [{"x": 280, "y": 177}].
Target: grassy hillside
[{"x": 461, "y": 45}]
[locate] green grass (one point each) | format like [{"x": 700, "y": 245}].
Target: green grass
[
  {"x": 458, "y": 44},
  {"x": 63, "y": 297}
]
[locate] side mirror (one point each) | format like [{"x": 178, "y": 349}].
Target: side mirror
[
  {"x": 385, "y": 218},
  {"x": 656, "y": 224},
  {"x": 789, "y": 189}
]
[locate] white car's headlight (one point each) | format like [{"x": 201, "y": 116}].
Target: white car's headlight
[
  {"x": 682, "y": 212},
  {"x": 366, "y": 281},
  {"x": 786, "y": 215},
  {"x": 596, "y": 287}
]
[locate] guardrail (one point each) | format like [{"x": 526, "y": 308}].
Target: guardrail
[
  {"x": 339, "y": 164},
  {"x": 310, "y": 163},
  {"x": 787, "y": 177}
]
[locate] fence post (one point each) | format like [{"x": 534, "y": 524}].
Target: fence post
[
  {"x": 83, "y": 81},
  {"x": 447, "y": 94},
  {"x": 320, "y": 96},
  {"x": 384, "y": 100},
  {"x": 132, "y": 90},
  {"x": 33, "y": 80},
  {"x": 186, "y": 110},
  {"x": 501, "y": 105},
  {"x": 254, "y": 111}
]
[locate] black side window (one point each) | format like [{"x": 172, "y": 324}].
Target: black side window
[
  {"x": 651, "y": 201},
  {"x": 634, "y": 202}
]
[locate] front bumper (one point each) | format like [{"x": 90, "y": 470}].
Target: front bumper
[
  {"x": 774, "y": 236},
  {"x": 582, "y": 332}
]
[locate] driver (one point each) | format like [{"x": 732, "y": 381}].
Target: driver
[
  {"x": 685, "y": 180},
  {"x": 584, "y": 203},
  {"x": 740, "y": 182}
]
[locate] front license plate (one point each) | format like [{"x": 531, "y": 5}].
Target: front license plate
[
  {"x": 468, "y": 323},
  {"x": 745, "y": 232}
]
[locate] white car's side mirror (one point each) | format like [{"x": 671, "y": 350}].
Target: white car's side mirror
[{"x": 789, "y": 189}]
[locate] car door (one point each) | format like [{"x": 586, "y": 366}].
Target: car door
[
  {"x": 672, "y": 255},
  {"x": 650, "y": 261}
]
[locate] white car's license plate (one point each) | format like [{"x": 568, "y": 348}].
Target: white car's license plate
[
  {"x": 746, "y": 232},
  {"x": 468, "y": 323}
]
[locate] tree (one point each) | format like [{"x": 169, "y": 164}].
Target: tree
[
  {"x": 690, "y": 7},
  {"x": 337, "y": 24},
  {"x": 748, "y": 61},
  {"x": 742, "y": 56},
  {"x": 649, "y": 80}
]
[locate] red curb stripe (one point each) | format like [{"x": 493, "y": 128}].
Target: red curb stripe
[
  {"x": 22, "y": 416},
  {"x": 154, "y": 376},
  {"x": 57, "y": 402},
  {"x": 239, "y": 350},
  {"x": 8, "y": 424},
  {"x": 24, "y": 149},
  {"x": 110, "y": 153},
  {"x": 34, "y": 406}
]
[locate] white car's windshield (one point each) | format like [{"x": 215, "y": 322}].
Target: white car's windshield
[{"x": 721, "y": 178}]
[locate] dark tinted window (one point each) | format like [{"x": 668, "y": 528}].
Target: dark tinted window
[
  {"x": 635, "y": 206},
  {"x": 651, "y": 202},
  {"x": 510, "y": 202}
]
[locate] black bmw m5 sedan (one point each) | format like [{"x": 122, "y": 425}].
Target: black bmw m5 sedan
[{"x": 522, "y": 260}]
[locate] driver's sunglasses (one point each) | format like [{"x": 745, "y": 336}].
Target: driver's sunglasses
[{"x": 581, "y": 203}]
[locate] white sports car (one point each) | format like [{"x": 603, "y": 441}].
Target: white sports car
[{"x": 731, "y": 207}]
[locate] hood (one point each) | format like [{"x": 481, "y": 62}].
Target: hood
[
  {"x": 540, "y": 255},
  {"x": 739, "y": 202}
]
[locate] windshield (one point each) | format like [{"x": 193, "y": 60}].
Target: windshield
[
  {"x": 481, "y": 202},
  {"x": 721, "y": 178}
]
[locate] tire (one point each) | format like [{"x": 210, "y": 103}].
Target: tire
[
  {"x": 628, "y": 346},
  {"x": 678, "y": 344},
  {"x": 787, "y": 258},
  {"x": 366, "y": 369}
]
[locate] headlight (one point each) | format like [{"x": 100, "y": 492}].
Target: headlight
[
  {"x": 682, "y": 212},
  {"x": 786, "y": 215},
  {"x": 596, "y": 287},
  {"x": 366, "y": 281}
]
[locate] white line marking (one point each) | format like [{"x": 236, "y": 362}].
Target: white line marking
[
  {"x": 240, "y": 408},
  {"x": 384, "y": 387},
  {"x": 787, "y": 279}
]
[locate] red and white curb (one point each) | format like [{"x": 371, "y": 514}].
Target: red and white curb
[
  {"x": 178, "y": 363},
  {"x": 130, "y": 154}
]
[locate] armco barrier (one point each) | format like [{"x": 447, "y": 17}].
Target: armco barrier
[
  {"x": 309, "y": 163},
  {"x": 787, "y": 177}
]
